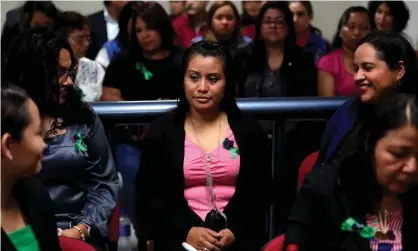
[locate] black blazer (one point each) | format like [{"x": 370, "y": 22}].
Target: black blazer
[
  {"x": 98, "y": 33},
  {"x": 38, "y": 209},
  {"x": 327, "y": 198},
  {"x": 162, "y": 211}
]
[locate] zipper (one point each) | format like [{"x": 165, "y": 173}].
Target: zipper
[{"x": 207, "y": 157}]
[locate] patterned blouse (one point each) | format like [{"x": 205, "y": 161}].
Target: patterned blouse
[{"x": 394, "y": 220}]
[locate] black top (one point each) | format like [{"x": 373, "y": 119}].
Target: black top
[
  {"x": 125, "y": 73},
  {"x": 331, "y": 194},
  {"x": 38, "y": 210},
  {"x": 297, "y": 74},
  {"x": 163, "y": 212},
  {"x": 82, "y": 184}
]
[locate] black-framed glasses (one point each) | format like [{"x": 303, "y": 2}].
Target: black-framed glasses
[{"x": 71, "y": 72}]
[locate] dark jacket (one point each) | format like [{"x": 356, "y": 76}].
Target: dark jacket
[
  {"x": 334, "y": 193},
  {"x": 82, "y": 185},
  {"x": 298, "y": 72},
  {"x": 38, "y": 210},
  {"x": 338, "y": 126},
  {"x": 98, "y": 33},
  {"x": 162, "y": 211}
]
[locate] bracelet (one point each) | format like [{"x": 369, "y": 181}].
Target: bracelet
[{"x": 81, "y": 233}]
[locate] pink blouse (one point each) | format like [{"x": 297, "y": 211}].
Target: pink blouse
[
  {"x": 333, "y": 64},
  {"x": 223, "y": 168},
  {"x": 394, "y": 221}
]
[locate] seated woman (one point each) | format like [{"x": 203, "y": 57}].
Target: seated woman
[
  {"x": 204, "y": 177},
  {"x": 335, "y": 70},
  {"x": 383, "y": 63},
  {"x": 27, "y": 212},
  {"x": 274, "y": 62},
  {"x": 224, "y": 22},
  {"x": 150, "y": 68},
  {"x": 366, "y": 198},
  {"x": 78, "y": 167}
]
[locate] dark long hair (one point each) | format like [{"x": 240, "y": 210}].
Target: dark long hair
[
  {"x": 156, "y": 18},
  {"x": 393, "y": 48},
  {"x": 124, "y": 16},
  {"x": 211, "y": 49},
  {"x": 357, "y": 171},
  {"x": 337, "y": 41},
  {"x": 398, "y": 10},
  {"x": 14, "y": 111},
  {"x": 258, "y": 60},
  {"x": 33, "y": 64}
]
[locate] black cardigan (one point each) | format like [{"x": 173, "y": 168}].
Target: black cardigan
[
  {"x": 328, "y": 197},
  {"x": 38, "y": 209},
  {"x": 162, "y": 211}
]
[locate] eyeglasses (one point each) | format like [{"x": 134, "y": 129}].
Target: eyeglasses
[
  {"x": 70, "y": 73},
  {"x": 80, "y": 39},
  {"x": 280, "y": 23}
]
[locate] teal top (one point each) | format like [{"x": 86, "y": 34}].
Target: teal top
[{"x": 24, "y": 239}]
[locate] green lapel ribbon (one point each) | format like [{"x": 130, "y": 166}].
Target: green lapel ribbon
[
  {"x": 351, "y": 225},
  {"x": 80, "y": 146},
  {"x": 233, "y": 151},
  {"x": 147, "y": 74}
]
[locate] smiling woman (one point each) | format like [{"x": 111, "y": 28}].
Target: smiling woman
[{"x": 207, "y": 174}]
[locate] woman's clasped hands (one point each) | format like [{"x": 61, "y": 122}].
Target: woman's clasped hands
[{"x": 205, "y": 239}]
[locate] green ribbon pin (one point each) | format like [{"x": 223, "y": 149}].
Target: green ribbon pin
[
  {"x": 233, "y": 151},
  {"x": 147, "y": 74},
  {"x": 351, "y": 225},
  {"x": 80, "y": 146}
]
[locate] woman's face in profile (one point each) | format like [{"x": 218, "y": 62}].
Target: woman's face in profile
[
  {"x": 395, "y": 159},
  {"x": 372, "y": 75},
  {"x": 25, "y": 154},
  {"x": 204, "y": 83}
]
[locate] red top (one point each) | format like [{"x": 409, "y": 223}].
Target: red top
[{"x": 185, "y": 32}]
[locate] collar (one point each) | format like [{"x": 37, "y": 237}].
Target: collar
[{"x": 107, "y": 17}]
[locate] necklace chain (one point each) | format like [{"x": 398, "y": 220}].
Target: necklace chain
[{"x": 209, "y": 178}]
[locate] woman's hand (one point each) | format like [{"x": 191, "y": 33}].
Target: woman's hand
[
  {"x": 71, "y": 233},
  {"x": 204, "y": 239},
  {"x": 227, "y": 237}
]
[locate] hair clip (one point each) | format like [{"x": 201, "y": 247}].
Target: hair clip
[
  {"x": 229, "y": 145},
  {"x": 80, "y": 146},
  {"x": 147, "y": 74},
  {"x": 351, "y": 225}
]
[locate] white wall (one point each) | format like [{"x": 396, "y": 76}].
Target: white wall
[{"x": 326, "y": 13}]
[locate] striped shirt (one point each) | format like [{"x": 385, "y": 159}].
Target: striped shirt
[{"x": 394, "y": 220}]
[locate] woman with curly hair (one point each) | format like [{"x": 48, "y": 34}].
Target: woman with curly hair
[{"x": 78, "y": 167}]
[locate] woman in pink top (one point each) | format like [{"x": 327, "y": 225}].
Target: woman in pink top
[
  {"x": 335, "y": 70},
  {"x": 205, "y": 175}
]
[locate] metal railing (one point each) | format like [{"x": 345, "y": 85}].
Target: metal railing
[{"x": 276, "y": 109}]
